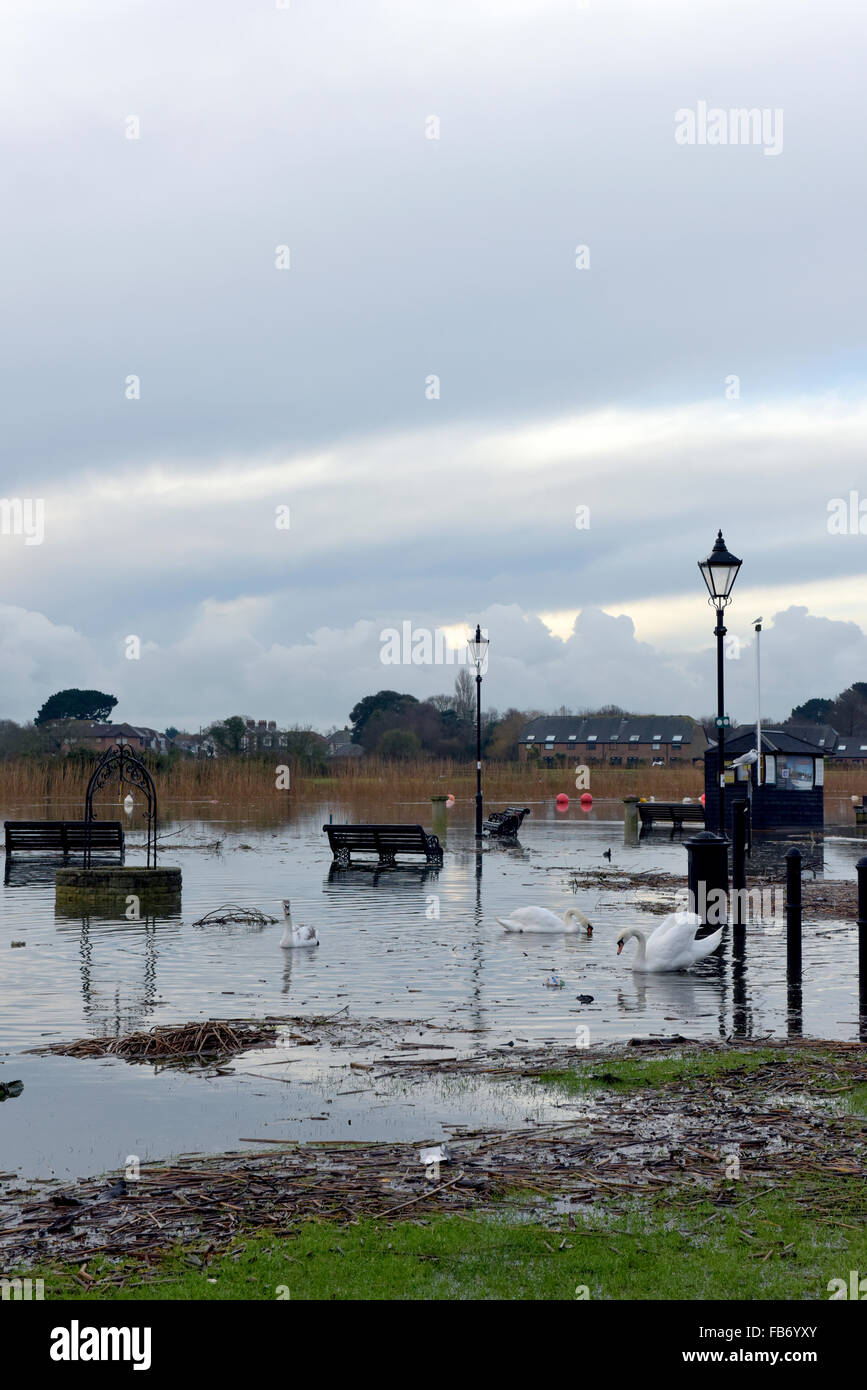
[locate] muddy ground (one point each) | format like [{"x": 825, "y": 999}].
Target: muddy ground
[{"x": 781, "y": 1120}]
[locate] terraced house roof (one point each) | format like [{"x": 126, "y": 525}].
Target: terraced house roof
[{"x": 643, "y": 730}]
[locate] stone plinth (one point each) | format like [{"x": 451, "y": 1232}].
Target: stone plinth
[{"x": 107, "y": 890}]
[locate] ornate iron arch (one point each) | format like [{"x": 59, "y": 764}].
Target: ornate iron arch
[{"x": 120, "y": 760}]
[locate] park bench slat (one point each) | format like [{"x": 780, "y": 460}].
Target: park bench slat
[
  {"x": 62, "y": 837},
  {"x": 677, "y": 812},
  {"x": 384, "y": 840}
]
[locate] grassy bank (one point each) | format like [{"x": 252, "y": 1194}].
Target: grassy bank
[
  {"x": 678, "y": 1073},
  {"x": 782, "y": 1243},
  {"x": 701, "y": 1172}
]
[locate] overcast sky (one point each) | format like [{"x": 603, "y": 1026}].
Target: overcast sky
[{"x": 703, "y": 368}]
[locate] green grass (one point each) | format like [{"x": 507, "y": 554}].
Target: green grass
[
  {"x": 641, "y": 1072},
  {"x": 855, "y": 1101},
  {"x": 783, "y": 1243}
]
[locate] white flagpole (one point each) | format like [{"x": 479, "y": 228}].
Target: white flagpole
[{"x": 758, "y": 630}]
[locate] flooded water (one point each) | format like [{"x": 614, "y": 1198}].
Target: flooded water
[{"x": 413, "y": 943}]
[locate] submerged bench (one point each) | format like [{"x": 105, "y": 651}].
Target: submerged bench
[
  {"x": 678, "y": 812},
  {"x": 63, "y": 836},
  {"x": 506, "y": 823},
  {"x": 384, "y": 840}
]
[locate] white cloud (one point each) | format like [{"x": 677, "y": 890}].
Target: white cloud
[{"x": 219, "y": 667}]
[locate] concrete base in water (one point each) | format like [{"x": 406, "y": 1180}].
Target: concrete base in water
[
  {"x": 439, "y": 818},
  {"x": 109, "y": 890}
]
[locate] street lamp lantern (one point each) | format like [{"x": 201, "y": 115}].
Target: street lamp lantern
[
  {"x": 478, "y": 646},
  {"x": 478, "y": 649},
  {"x": 719, "y": 571}
]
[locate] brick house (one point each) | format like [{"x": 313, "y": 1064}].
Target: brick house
[
  {"x": 613, "y": 740},
  {"x": 84, "y": 734},
  {"x": 847, "y": 750}
]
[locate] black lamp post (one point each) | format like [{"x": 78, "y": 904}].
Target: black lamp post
[
  {"x": 719, "y": 571},
  {"x": 478, "y": 647}
]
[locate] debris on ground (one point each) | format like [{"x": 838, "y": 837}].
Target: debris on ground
[
  {"x": 822, "y": 898},
  {"x": 231, "y": 912},
  {"x": 209, "y": 1039},
  {"x": 780, "y": 1115}
]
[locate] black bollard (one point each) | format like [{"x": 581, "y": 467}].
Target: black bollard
[
  {"x": 707, "y": 873},
  {"x": 861, "y": 867},
  {"x": 739, "y": 864},
  {"x": 793, "y": 913}
]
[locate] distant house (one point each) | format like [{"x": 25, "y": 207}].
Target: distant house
[
  {"x": 340, "y": 745},
  {"x": 613, "y": 740},
  {"x": 850, "y": 749},
  {"x": 787, "y": 794},
  {"x": 196, "y": 745},
  {"x": 821, "y": 734},
  {"x": 83, "y": 734},
  {"x": 839, "y": 749},
  {"x": 261, "y": 735}
]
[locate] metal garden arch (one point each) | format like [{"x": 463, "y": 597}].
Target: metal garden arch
[{"x": 121, "y": 761}]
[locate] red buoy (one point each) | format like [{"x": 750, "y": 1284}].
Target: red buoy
[
  {"x": 562, "y": 802},
  {"x": 701, "y": 798},
  {"x": 586, "y": 801}
]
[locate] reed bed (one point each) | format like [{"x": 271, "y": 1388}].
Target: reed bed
[
  {"x": 213, "y": 1038},
  {"x": 253, "y": 781}
]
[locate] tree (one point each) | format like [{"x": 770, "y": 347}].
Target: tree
[
  {"x": 502, "y": 743},
  {"x": 228, "y": 733},
  {"x": 19, "y": 739},
  {"x": 76, "y": 704},
  {"x": 384, "y": 702},
  {"x": 171, "y": 731},
  {"x": 399, "y": 744},
  {"x": 815, "y": 711},
  {"x": 465, "y": 695},
  {"x": 305, "y": 748},
  {"x": 849, "y": 711}
]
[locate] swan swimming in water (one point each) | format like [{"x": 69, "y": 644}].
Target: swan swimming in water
[
  {"x": 296, "y": 936},
  {"x": 541, "y": 919},
  {"x": 672, "y": 945}
]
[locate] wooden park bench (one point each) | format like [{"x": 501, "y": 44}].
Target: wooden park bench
[
  {"x": 384, "y": 840},
  {"x": 63, "y": 836},
  {"x": 678, "y": 812},
  {"x": 506, "y": 824}
]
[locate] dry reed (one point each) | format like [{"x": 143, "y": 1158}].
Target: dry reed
[
  {"x": 243, "y": 782},
  {"x": 213, "y": 1038}
]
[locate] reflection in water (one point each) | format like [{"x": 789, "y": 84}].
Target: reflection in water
[
  {"x": 418, "y": 943},
  {"x": 113, "y": 1019},
  {"x": 376, "y": 873},
  {"x": 742, "y": 1023},
  {"x": 415, "y": 941}
]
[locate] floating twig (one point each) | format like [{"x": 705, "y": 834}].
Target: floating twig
[{"x": 232, "y": 912}]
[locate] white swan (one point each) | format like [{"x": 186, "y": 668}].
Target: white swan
[
  {"x": 296, "y": 936},
  {"x": 541, "y": 919},
  {"x": 673, "y": 944}
]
